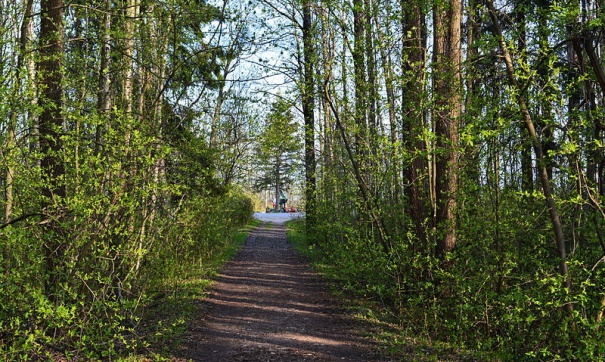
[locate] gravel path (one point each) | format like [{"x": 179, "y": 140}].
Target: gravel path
[
  {"x": 268, "y": 305},
  {"x": 278, "y": 217}
]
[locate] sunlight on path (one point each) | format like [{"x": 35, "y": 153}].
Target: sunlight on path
[{"x": 268, "y": 306}]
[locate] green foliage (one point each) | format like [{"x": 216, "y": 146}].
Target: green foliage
[
  {"x": 200, "y": 231},
  {"x": 125, "y": 231},
  {"x": 179, "y": 275},
  {"x": 277, "y": 148},
  {"x": 499, "y": 291},
  {"x": 108, "y": 273},
  {"x": 142, "y": 209},
  {"x": 145, "y": 214}
]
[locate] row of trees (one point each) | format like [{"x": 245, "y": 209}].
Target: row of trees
[
  {"x": 454, "y": 164},
  {"x": 453, "y": 159},
  {"x": 112, "y": 116}
]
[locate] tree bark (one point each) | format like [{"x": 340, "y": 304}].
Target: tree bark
[
  {"x": 308, "y": 106},
  {"x": 413, "y": 62},
  {"x": 51, "y": 118},
  {"x": 277, "y": 181},
  {"x": 527, "y": 173},
  {"x": 104, "y": 99},
  {"x": 545, "y": 122},
  {"x": 447, "y": 88},
  {"x": 595, "y": 161},
  {"x": 50, "y": 128},
  {"x": 328, "y": 54},
  {"x": 359, "y": 79},
  {"x": 371, "y": 85},
  {"x": 132, "y": 12}
]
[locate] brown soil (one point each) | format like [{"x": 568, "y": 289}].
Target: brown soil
[{"x": 268, "y": 305}]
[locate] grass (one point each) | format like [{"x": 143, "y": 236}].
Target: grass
[
  {"x": 394, "y": 341},
  {"x": 165, "y": 323}
]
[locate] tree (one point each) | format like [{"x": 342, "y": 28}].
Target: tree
[
  {"x": 51, "y": 119},
  {"x": 447, "y": 91},
  {"x": 278, "y": 145},
  {"x": 413, "y": 63},
  {"x": 50, "y": 127},
  {"x": 308, "y": 108},
  {"x": 101, "y": 152}
]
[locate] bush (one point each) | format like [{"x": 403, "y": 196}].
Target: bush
[{"x": 115, "y": 248}]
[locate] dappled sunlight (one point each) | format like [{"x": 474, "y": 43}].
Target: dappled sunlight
[
  {"x": 310, "y": 339},
  {"x": 269, "y": 301}
]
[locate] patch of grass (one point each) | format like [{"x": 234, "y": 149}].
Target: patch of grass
[
  {"x": 295, "y": 231},
  {"x": 166, "y": 318},
  {"x": 399, "y": 344},
  {"x": 395, "y": 341}
]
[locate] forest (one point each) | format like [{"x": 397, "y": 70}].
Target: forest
[{"x": 450, "y": 155}]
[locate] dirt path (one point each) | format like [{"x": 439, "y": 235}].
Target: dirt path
[{"x": 268, "y": 305}]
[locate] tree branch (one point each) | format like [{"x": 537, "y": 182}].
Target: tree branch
[{"x": 20, "y": 218}]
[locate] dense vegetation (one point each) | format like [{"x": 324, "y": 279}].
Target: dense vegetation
[
  {"x": 453, "y": 161},
  {"x": 111, "y": 193},
  {"x": 460, "y": 167}
]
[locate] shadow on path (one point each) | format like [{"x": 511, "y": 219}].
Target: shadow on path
[{"x": 268, "y": 305}]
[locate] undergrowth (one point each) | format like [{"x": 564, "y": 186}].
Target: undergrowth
[
  {"x": 169, "y": 313},
  {"x": 125, "y": 290},
  {"x": 396, "y": 341}
]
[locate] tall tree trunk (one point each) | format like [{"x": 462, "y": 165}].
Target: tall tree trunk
[
  {"x": 132, "y": 12},
  {"x": 308, "y": 106},
  {"x": 545, "y": 121},
  {"x": 50, "y": 128},
  {"x": 595, "y": 161},
  {"x": 527, "y": 173},
  {"x": 361, "y": 149},
  {"x": 359, "y": 79},
  {"x": 328, "y": 129},
  {"x": 447, "y": 17},
  {"x": 413, "y": 63},
  {"x": 51, "y": 118},
  {"x": 277, "y": 182},
  {"x": 372, "y": 96},
  {"x": 104, "y": 100}
]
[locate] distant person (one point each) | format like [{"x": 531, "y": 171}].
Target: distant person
[{"x": 282, "y": 201}]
